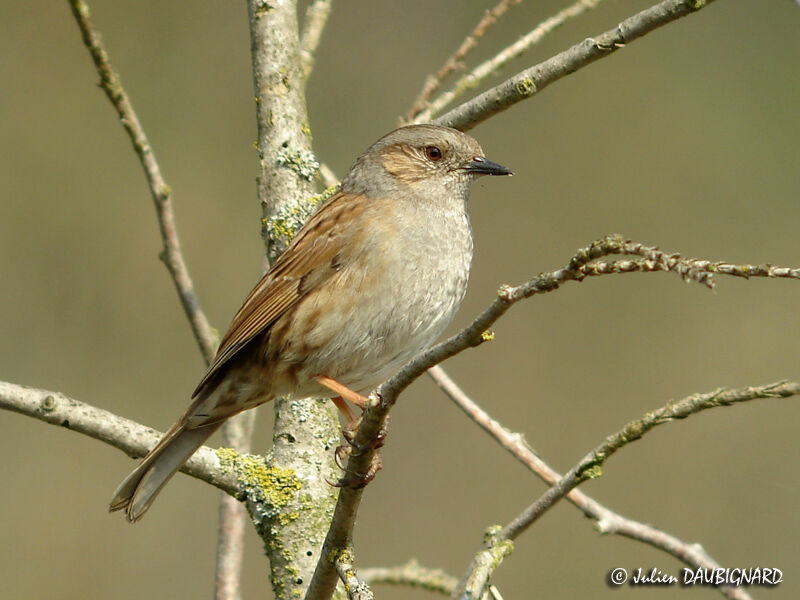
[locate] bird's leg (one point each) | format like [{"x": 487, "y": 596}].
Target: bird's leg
[
  {"x": 343, "y": 391},
  {"x": 349, "y": 432}
]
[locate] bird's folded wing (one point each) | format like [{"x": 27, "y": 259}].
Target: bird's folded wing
[{"x": 315, "y": 254}]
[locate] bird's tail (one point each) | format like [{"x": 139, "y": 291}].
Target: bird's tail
[{"x": 137, "y": 492}]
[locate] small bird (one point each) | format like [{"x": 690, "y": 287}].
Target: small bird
[{"x": 371, "y": 279}]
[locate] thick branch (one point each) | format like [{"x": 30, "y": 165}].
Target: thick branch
[
  {"x": 526, "y": 83},
  {"x": 133, "y": 439},
  {"x": 590, "y": 467},
  {"x": 305, "y": 431},
  {"x": 160, "y": 191}
]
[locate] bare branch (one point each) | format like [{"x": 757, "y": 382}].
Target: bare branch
[
  {"x": 316, "y": 16},
  {"x": 356, "y": 588},
  {"x": 287, "y": 165},
  {"x": 132, "y": 438},
  {"x": 411, "y": 574},
  {"x": 606, "y": 520},
  {"x": 232, "y": 512},
  {"x": 327, "y": 176},
  {"x": 580, "y": 266},
  {"x": 237, "y": 433},
  {"x": 160, "y": 191},
  {"x": 434, "y": 82},
  {"x": 590, "y": 467},
  {"x": 529, "y": 82},
  {"x": 487, "y": 68}
]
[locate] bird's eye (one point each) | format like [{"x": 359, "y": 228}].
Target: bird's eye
[{"x": 433, "y": 153}]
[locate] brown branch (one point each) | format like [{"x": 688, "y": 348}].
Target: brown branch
[
  {"x": 434, "y": 82},
  {"x": 132, "y": 438},
  {"x": 606, "y": 520},
  {"x": 529, "y": 82},
  {"x": 159, "y": 190},
  {"x": 590, "y": 467},
  {"x": 489, "y": 67}
]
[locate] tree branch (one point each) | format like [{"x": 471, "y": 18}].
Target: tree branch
[
  {"x": 531, "y": 81},
  {"x": 316, "y": 17},
  {"x": 590, "y": 467},
  {"x": 356, "y": 588},
  {"x": 434, "y": 82},
  {"x": 424, "y": 112},
  {"x": 606, "y": 520},
  {"x": 305, "y": 431},
  {"x": 237, "y": 433},
  {"x": 411, "y": 574},
  {"x": 160, "y": 191},
  {"x": 132, "y": 438}
]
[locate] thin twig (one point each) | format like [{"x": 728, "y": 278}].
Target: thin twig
[
  {"x": 132, "y": 438},
  {"x": 316, "y": 17},
  {"x": 160, "y": 191},
  {"x": 237, "y": 433},
  {"x": 590, "y": 467},
  {"x": 606, "y": 520},
  {"x": 232, "y": 513},
  {"x": 424, "y": 112},
  {"x": 355, "y": 587},
  {"x": 434, "y": 82},
  {"x": 529, "y": 82},
  {"x": 411, "y": 574},
  {"x": 327, "y": 176}
]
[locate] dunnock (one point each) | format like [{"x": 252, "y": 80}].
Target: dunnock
[{"x": 373, "y": 278}]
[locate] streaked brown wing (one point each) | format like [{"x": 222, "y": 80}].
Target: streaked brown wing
[{"x": 312, "y": 258}]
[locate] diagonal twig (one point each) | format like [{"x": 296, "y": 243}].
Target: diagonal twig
[
  {"x": 424, "y": 111},
  {"x": 434, "y": 82},
  {"x": 316, "y": 17},
  {"x": 606, "y": 520},
  {"x": 159, "y": 190},
  {"x": 237, "y": 431},
  {"x": 529, "y": 82},
  {"x": 590, "y": 467}
]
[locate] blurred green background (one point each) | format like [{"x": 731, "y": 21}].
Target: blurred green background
[{"x": 687, "y": 139}]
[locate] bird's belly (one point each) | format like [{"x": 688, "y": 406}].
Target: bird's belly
[{"x": 382, "y": 318}]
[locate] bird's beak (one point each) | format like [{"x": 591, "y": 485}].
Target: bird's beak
[{"x": 481, "y": 166}]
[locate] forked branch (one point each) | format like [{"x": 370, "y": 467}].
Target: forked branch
[{"x": 590, "y": 467}]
